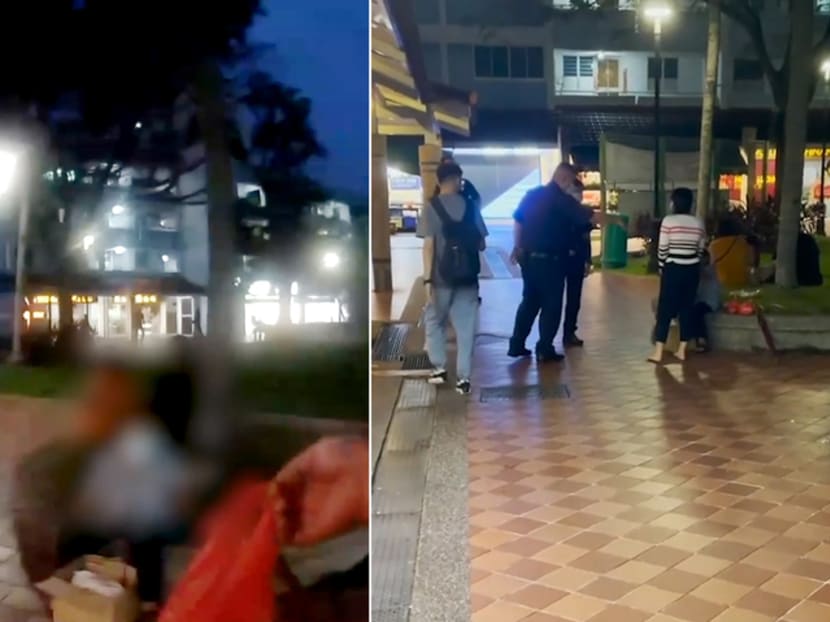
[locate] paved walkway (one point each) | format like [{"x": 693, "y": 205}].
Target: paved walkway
[{"x": 631, "y": 493}]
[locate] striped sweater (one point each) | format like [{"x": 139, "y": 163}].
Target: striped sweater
[{"x": 682, "y": 240}]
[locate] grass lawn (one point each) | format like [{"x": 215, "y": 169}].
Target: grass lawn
[
  {"x": 323, "y": 380},
  {"x": 800, "y": 301}
]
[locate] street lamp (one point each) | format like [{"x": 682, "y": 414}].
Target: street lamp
[
  {"x": 9, "y": 169},
  {"x": 657, "y": 13}
]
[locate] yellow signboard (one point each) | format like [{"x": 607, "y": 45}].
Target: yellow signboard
[
  {"x": 810, "y": 153},
  {"x": 759, "y": 181}
]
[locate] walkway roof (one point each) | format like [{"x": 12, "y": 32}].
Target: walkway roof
[{"x": 405, "y": 101}]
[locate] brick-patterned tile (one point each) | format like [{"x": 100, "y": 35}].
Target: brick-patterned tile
[{"x": 693, "y": 494}]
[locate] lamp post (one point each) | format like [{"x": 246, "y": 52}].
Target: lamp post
[
  {"x": 10, "y": 165},
  {"x": 657, "y": 13}
]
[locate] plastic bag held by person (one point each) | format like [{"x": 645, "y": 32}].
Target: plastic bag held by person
[{"x": 231, "y": 577}]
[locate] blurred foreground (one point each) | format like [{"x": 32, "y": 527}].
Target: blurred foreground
[{"x": 114, "y": 469}]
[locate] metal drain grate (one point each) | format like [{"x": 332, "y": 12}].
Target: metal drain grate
[
  {"x": 390, "y": 342},
  {"x": 417, "y": 360},
  {"x": 527, "y": 392},
  {"x": 394, "y": 550}
]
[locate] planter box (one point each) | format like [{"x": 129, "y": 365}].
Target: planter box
[{"x": 740, "y": 333}]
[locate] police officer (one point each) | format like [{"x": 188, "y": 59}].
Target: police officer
[
  {"x": 578, "y": 266},
  {"x": 542, "y": 234}
]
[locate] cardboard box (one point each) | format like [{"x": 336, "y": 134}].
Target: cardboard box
[{"x": 74, "y": 604}]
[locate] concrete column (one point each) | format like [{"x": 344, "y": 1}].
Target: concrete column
[
  {"x": 548, "y": 161},
  {"x": 749, "y": 142},
  {"x": 381, "y": 248},
  {"x": 429, "y": 157},
  {"x": 564, "y": 146}
]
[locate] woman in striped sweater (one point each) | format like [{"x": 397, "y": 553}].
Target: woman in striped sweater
[{"x": 682, "y": 241}]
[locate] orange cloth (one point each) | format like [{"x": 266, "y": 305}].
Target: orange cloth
[{"x": 732, "y": 257}]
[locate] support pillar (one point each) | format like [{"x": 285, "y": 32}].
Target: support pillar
[
  {"x": 381, "y": 247},
  {"x": 749, "y": 142},
  {"x": 564, "y": 150},
  {"x": 429, "y": 157}
]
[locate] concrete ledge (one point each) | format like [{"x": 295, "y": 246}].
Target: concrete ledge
[{"x": 739, "y": 333}]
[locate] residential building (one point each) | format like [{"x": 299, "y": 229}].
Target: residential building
[{"x": 554, "y": 79}]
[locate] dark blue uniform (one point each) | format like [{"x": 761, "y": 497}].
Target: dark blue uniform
[
  {"x": 579, "y": 257},
  {"x": 548, "y": 217}
]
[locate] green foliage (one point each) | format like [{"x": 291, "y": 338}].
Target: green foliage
[{"x": 286, "y": 380}]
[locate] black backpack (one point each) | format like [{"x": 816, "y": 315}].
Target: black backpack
[{"x": 458, "y": 263}]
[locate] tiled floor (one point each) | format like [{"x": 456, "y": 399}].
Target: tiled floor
[{"x": 691, "y": 493}]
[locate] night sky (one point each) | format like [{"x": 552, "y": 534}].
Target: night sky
[{"x": 322, "y": 48}]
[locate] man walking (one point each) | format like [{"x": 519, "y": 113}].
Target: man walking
[
  {"x": 453, "y": 233},
  {"x": 578, "y": 266},
  {"x": 543, "y": 227}
]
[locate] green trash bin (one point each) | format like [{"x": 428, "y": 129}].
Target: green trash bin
[{"x": 615, "y": 247}]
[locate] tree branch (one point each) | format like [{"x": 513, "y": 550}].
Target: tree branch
[{"x": 742, "y": 12}]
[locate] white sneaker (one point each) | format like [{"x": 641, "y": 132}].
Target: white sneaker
[{"x": 463, "y": 387}]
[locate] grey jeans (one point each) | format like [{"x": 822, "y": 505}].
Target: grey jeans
[{"x": 460, "y": 307}]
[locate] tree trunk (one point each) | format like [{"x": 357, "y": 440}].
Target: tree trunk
[
  {"x": 704, "y": 173},
  {"x": 215, "y": 366},
  {"x": 64, "y": 306},
  {"x": 795, "y": 137}
]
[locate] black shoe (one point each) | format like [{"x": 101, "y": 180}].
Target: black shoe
[
  {"x": 572, "y": 341},
  {"x": 545, "y": 355},
  {"x": 462, "y": 387},
  {"x": 519, "y": 351},
  {"x": 438, "y": 376}
]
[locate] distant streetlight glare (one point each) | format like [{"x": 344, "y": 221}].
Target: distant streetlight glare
[
  {"x": 117, "y": 209},
  {"x": 331, "y": 260},
  {"x": 825, "y": 69},
  {"x": 165, "y": 258},
  {"x": 658, "y": 13},
  {"x": 89, "y": 240},
  {"x": 8, "y": 167},
  {"x": 119, "y": 250}
]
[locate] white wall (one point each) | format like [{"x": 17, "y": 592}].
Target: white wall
[{"x": 633, "y": 74}]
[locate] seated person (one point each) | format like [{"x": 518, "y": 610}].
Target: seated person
[
  {"x": 807, "y": 261},
  {"x": 708, "y": 301},
  {"x": 731, "y": 255}
]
